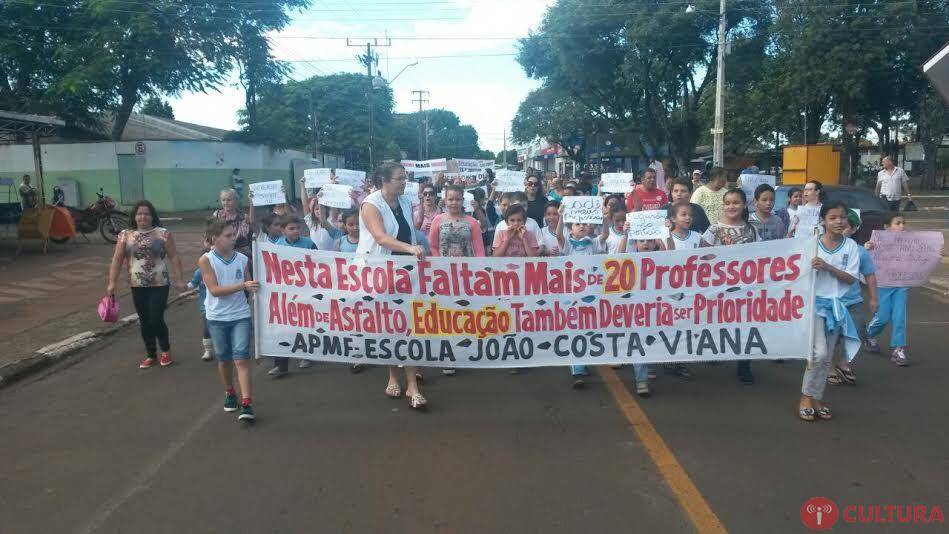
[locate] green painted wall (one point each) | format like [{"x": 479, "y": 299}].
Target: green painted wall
[{"x": 169, "y": 190}]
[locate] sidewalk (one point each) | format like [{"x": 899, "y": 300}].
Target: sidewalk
[{"x": 46, "y": 299}]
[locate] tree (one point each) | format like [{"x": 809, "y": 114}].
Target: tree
[
  {"x": 286, "y": 114},
  {"x": 448, "y": 137},
  {"x": 107, "y": 54},
  {"x": 257, "y": 69},
  {"x": 556, "y": 117},
  {"x": 157, "y": 107},
  {"x": 510, "y": 156},
  {"x": 638, "y": 66}
]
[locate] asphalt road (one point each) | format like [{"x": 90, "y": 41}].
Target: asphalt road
[{"x": 97, "y": 445}]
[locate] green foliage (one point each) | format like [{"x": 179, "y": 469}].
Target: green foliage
[
  {"x": 157, "y": 107},
  {"x": 81, "y": 57},
  {"x": 447, "y": 138},
  {"x": 285, "y": 117}
]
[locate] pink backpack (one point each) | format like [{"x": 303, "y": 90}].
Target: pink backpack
[{"x": 109, "y": 309}]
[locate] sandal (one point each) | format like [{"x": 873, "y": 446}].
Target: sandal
[
  {"x": 417, "y": 401},
  {"x": 835, "y": 378},
  {"x": 393, "y": 391},
  {"x": 824, "y": 413},
  {"x": 847, "y": 375},
  {"x": 806, "y": 414}
]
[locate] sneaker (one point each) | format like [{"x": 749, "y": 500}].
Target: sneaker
[
  {"x": 578, "y": 382},
  {"x": 873, "y": 345},
  {"x": 247, "y": 413},
  {"x": 448, "y": 372},
  {"x": 651, "y": 373},
  {"x": 230, "y": 402},
  {"x": 642, "y": 389},
  {"x": 277, "y": 372},
  {"x": 899, "y": 357},
  {"x": 147, "y": 362},
  {"x": 746, "y": 378},
  {"x": 208, "y": 347},
  {"x": 165, "y": 359},
  {"x": 305, "y": 364},
  {"x": 358, "y": 368}
]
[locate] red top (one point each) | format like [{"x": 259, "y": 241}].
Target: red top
[{"x": 642, "y": 200}]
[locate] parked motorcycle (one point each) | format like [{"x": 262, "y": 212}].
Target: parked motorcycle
[{"x": 101, "y": 216}]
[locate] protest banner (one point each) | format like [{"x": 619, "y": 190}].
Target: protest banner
[
  {"x": 583, "y": 210},
  {"x": 905, "y": 259},
  {"x": 808, "y": 219},
  {"x": 750, "y": 182},
  {"x": 411, "y": 191},
  {"x": 336, "y": 196},
  {"x": 268, "y": 193},
  {"x": 472, "y": 166},
  {"x": 649, "y": 224},
  {"x": 425, "y": 168},
  {"x": 616, "y": 182},
  {"x": 314, "y": 178},
  {"x": 741, "y": 302},
  {"x": 509, "y": 181},
  {"x": 350, "y": 178}
]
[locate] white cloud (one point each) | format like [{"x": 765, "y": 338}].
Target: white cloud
[{"x": 483, "y": 91}]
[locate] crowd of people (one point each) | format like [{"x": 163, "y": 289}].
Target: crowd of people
[{"x": 384, "y": 221}]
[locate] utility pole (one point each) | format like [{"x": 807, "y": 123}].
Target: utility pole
[
  {"x": 370, "y": 60},
  {"x": 314, "y": 133},
  {"x": 422, "y": 122},
  {"x": 718, "y": 132},
  {"x": 504, "y": 152}
]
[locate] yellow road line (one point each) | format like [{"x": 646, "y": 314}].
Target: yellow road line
[{"x": 696, "y": 507}]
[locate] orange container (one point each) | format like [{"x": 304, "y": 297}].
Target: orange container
[{"x": 811, "y": 162}]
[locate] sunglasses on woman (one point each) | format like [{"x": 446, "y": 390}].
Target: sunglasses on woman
[
  {"x": 428, "y": 193},
  {"x": 532, "y": 184}
]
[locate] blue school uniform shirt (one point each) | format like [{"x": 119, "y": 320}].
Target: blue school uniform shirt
[
  {"x": 303, "y": 242},
  {"x": 853, "y": 295}
]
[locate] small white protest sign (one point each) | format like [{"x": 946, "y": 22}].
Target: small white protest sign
[
  {"x": 336, "y": 196},
  {"x": 583, "y": 210},
  {"x": 350, "y": 178},
  {"x": 268, "y": 193},
  {"x": 411, "y": 191},
  {"x": 314, "y": 178},
  {"x": 750, "y": 182},
  {"x": 425, "y": 168},
  {"x": 648, "y": 224},
  {"x": 509, "y": 181},
  {"x": 617, "y": 182},
  {"x": 808, "y": 218}
]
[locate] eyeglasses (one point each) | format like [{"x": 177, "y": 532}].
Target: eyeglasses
[
  {"x": 428, "y": 193},
  {"x": 531, "y": 184}
]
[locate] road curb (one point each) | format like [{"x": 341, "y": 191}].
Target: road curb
[{"x": 61, "y": 350}]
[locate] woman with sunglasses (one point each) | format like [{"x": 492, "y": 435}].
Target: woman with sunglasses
[
  {"x": 536, "y": 199},
  {"x": 424, "y": 213}
]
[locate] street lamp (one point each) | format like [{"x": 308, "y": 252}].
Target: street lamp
[{"x": 718, "y": 132}]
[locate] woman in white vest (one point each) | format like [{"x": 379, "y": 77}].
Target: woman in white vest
[{"x": 385, "y": 229}]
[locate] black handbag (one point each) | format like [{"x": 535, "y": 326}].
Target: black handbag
[{"x": 910, "y": 206}]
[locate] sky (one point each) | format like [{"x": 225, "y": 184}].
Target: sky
[{"x": 464, "y": 49}]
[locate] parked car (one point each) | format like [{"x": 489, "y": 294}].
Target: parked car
[{"x": 872, "y": 208}]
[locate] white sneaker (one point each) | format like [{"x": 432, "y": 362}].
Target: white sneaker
[
  {"x": 305, "y": 363},
  {"x": 208, "y": 350},
  {"x": 448, "y": 372}
]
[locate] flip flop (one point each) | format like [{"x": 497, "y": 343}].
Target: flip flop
[
  {"x": 393, "y": 391},
  {"x": 847, "y": 375},
  {"x": 806, "y": 414}
]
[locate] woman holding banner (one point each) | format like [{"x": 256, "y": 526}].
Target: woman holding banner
[
  {"x": 385, "y": 229},
  {"x": 536, "y": 199},
  {"x": 454, "y": 234}
]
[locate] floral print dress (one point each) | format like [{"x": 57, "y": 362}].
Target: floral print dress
[{"x": 146, "y": 252}]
